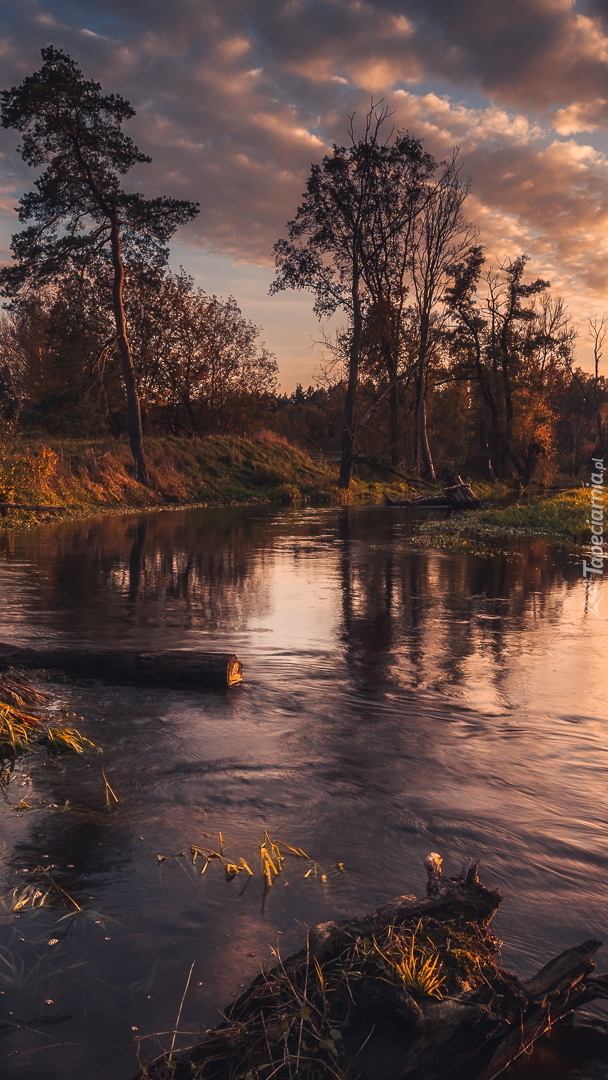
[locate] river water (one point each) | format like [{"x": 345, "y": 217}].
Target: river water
[{"x": 397, "y": 700}]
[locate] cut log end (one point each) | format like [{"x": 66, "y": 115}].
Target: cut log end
[{"x": 234, "y": 671}]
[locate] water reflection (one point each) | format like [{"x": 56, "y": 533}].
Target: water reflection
[
  {"x": 172, "y": 569},
  {"x": 397, "y": 700}
]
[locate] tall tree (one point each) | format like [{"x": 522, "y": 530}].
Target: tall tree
[
  {"x": 78, "y": 213},
  {"x": 348, "y": 243},
  {"x": 592, "y": 387},
  {"x": 441, "y": 237}
]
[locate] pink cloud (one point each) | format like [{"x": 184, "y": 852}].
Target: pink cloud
[{"x": 235, "y": 100}]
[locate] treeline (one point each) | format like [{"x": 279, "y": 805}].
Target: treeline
[
  {"x": 502, "y": 395},
  {"x": 199, "y": 364},
  {"x": 467, "y": 364},
  {"x": 443, "y": 362}
]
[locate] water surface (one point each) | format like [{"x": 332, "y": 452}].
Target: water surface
[{"x": 397, "y": 700}]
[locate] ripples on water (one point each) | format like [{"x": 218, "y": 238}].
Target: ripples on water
[{"x": 397, "y": 700}]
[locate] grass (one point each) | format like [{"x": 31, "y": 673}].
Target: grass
[
  {"x": 562, "y": 516},
  {"x": 419, "y": 968},
  {"x": 23, "y": 732},
  {"x": 84, "y": 477},
  {"x": 272, "y": 855},
  {"x": 293, "y": 1020}
]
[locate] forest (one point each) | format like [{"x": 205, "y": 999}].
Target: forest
[{"x": 444, "y": 361}]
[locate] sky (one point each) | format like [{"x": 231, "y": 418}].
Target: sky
[{"x": 235, "y": 99}]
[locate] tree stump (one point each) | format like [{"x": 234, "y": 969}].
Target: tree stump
[{"x": 410, "y": 992}]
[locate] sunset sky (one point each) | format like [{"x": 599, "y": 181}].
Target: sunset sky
[{"x": 236, "y": 98}]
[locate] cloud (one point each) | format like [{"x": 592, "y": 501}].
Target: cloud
[
  {"x": 581, "y": 116},
  {"x": 234, "y": 101},
  {"x": 530, "y": 192}
]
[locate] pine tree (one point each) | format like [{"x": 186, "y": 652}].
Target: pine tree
[{"x": 78, "y": 214}]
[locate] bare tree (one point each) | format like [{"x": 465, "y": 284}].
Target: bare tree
[
  {"x": 441, "y": 237},
  {"x": 598, "y": 328}
]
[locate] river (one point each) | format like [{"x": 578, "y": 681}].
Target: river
[{"x": 397, "y": 700}]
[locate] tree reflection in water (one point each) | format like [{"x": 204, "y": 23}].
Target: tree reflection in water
[{"x": 397, "y": 700}]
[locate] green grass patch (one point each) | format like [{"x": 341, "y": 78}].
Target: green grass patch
[{"x": 562, "y": 516}]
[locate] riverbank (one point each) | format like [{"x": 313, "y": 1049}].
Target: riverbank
[
  {"x": 563, "y": 516},
  {"x": 80, "y": 478}
]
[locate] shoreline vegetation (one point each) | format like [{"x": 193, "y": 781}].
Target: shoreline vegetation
[
  {"x": 562, "y": 516},
  {"x": 82, "y": 478},
  {"x": 86, "y": 477}
]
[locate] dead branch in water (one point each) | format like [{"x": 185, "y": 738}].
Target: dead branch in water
[{"x": 410, "y": 992}]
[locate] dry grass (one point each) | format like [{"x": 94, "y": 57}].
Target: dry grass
[
  {"x": 292, "y": 1023},
  {"x": 24, "y": 732},
  {"x": 84, "y": 477}
]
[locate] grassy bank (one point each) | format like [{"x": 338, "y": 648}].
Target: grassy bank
[
  {"x": 91, "y": 477},
  {"x": 562, "y": 516}
]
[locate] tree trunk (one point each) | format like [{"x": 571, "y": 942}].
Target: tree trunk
[
  {"x": 350, "y": 402},
  {"x": 459, "y": 496},
  {"x": 427, "y": 457},
  {"x": 484, "y": 449},
  {"x": 396, "y": 455},
  {"x": 423, "y": 461},
  {"x": 509, "y": 417},
  {"x": 390, "y": 362},
  {"x": 136, "y": 435},
  {"x": 10, "y": 403}
]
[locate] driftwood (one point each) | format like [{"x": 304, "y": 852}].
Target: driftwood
[
  {"x": 411, "y": 992},
  {"x": 458, "y": 496},
  {"x": 189, "y": 670}
]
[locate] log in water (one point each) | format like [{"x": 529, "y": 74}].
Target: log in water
[
  {"x": 459, "y": 496},
  {"x": 176, "y": 668},
  {"x": 413, "y": 991}
]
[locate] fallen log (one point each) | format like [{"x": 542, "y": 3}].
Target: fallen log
[
  {"x": 410, "y": 992},
  {"x": 458, "y": 496},
  {"x": 173, "y": 668}
]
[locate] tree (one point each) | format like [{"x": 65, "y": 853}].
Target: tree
[
  {"x": 349, "y": 244},
  {"x": 513, "y": 343},
  {"x": 441, "y": 237},
  {"x": 199, "y": 361},
  {"x": 56, "y": 332},
  {"x": 592, "y": 387},
  {"x": 11, "y": 366},
  {"x": 79, "y": 213}
]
